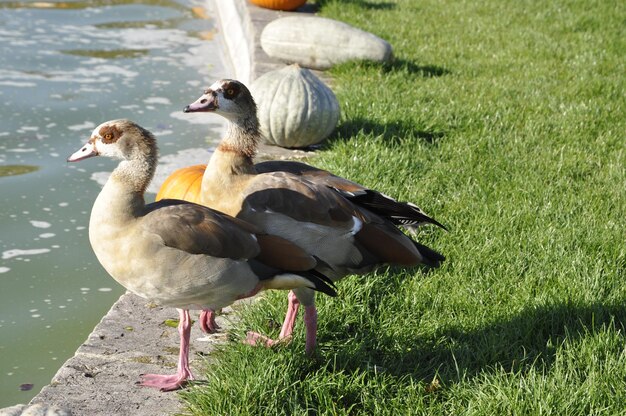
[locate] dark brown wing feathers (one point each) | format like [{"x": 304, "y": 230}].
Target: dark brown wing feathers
[
  {"x": 200, "y": 230},
  {"x": 387, "y": 246},
  {"x": 280, "y": 253},
  {"x": 297, "y": 198},
  {"x": 400, "y": 213}
]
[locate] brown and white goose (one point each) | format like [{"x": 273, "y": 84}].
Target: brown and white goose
[
  {"x": 177, "y": 253},
  {"x": 351, "y": 228}
]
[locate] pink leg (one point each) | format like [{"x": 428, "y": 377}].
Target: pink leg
[
  {"x": 290, "y": 318},
  {"x": 175, "y": 381},
  {"x": 310, "y": 322},
  {"x": 255, "y": 338},
  {"x": 207, "y": 321}
]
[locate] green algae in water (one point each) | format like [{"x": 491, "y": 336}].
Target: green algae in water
[
  {"x": 159, "y": 24},
  {"x": 14, "y": 170},
  {"x": 108, "y": 54}
]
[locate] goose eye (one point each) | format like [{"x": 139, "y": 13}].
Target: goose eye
[
  {"x": 108, "y": 136},
  {"x": 230, "y": 92}
]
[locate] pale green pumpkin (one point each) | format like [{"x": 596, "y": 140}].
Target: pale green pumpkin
[{"x": 295, "y": 107}]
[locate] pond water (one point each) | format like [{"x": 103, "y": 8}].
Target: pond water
[{"x": 65, "y": 67}]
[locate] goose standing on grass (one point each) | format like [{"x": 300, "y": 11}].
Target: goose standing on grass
[
  {"x": 177, "y": 253},
  {"x": 349, "y": 227}
]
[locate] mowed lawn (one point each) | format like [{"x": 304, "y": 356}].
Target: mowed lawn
[{"x": 505, "y": 120}]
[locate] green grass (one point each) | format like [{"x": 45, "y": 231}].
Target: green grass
[{"x": 506, "y": 121}]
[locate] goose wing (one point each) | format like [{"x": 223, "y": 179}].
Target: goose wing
[{"x": 200, "y": 230}]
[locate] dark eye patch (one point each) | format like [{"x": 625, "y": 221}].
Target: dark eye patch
[
  {"x": 109, "y": 134},
  {"x": 231, "y": 90}
]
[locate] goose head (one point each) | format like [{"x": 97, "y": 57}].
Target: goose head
[
  {"x": 118, "y": 139},
  {"x": 128, "y": 142},
  {"x": 228, "y": 98}
]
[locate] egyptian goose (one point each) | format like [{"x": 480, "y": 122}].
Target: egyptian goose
[
  {"x": 177, "y": 253},
  {"x": 349, "y": 227}
]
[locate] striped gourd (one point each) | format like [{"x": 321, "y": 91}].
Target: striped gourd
[{"x": 295, "y": 107}]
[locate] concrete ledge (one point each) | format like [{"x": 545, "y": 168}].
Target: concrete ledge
[
  {"x": 132, "y": 339},
  {"x": 241, "y": 24},
  {"x": 236, "y": 33}
]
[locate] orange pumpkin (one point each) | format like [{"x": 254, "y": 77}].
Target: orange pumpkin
[
  {"x": 279, "y": 4},
  {"x": 184, "y": 183}
]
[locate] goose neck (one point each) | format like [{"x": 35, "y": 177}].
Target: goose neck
[{"x": 242, "y": 136}]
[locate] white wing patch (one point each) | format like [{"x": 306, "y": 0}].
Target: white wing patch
[{"x": 357, "y": 225}]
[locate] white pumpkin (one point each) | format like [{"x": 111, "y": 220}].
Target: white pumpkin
[
  {"x": 295, "y": 107},
  {"x": 319, "y": 43}
]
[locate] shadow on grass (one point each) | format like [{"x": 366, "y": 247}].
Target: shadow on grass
[
  {"x": 425, "y": 71},
  {"x": 393, "y": 133},
  {"x": 529, "y": 340},
  {"x": 364, "y": 4},
  {"x": 396, "y": 64}
]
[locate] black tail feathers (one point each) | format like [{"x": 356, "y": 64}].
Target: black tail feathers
[
  {"x": 322, "y": 283},
  {"x": 399, "y": 213},
  {"x": 430, "y": 257}
]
